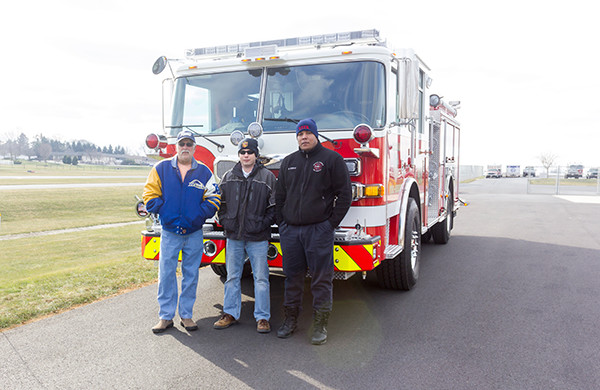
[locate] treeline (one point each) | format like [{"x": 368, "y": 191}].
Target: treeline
[{"x": 43, "y": 148}]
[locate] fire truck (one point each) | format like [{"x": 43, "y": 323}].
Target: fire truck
[{"x": 372, "y": 104}]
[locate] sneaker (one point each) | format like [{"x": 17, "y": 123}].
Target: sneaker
[
  {"x": 225, "y": 321},
  {"x": 189, "y": 324},
  {"x": 162, "y": 326},
  {"x": 263, "y": 326}
]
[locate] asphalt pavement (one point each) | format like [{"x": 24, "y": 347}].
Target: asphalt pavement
[{"x": 511, "y": 302}]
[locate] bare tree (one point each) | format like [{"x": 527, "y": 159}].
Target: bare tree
[
  {"x": 547, "y": 160},
  {"x": 44, "y": 151}
]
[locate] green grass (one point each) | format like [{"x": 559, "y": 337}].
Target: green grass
[
  {"x": 564, "y": 182},
  {"x": 25, "y": 211},
  {"x": 47, "y": 274}
]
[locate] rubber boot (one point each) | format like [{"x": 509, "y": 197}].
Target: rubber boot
[
  {"x": 320, "y": 320},
  {"x": 290, "y": 322}
]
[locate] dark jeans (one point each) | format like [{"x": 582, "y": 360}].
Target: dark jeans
[{"x": 308, "y": 246}]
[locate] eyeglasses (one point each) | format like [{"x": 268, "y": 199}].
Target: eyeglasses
[
  {"x": 188, "y": 144},
  {"x": 246, "y": 152}
]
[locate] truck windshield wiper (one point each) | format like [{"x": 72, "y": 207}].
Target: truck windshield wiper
[
  {"x": 296, "y": 121},
  {"x": 220, "y": 147},
  {"x": 282, "y": 120}
]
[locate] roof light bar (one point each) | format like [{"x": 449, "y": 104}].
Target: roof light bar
[{"x": 296, "y": 41}]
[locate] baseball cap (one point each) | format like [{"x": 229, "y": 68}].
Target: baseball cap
[{"x": 186, "y": 134}]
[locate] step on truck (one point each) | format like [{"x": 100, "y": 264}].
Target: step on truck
[{"x": 372, "y": 104}]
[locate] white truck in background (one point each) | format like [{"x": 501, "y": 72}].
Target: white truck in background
[{"x": 513, "y": 171}]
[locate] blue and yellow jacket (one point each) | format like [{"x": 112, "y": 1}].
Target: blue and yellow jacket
[{"x": 183, "y": 206}]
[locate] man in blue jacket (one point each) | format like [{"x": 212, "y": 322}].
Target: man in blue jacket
[
  {"x": 312, "y": 196},
  {"x": 184, "y": 194}
]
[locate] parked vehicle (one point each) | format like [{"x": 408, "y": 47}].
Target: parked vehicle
[
  {"x": 513, "y": 171},
  {"x": 372, "y": 104},
  {"x": 529, "y": 171},
  {"x": 493, "y": 173},
  {"x": 575, "y": 171},
  {"x": 592, "y": 173}
]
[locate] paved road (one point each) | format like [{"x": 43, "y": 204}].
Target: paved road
[{"x": 510, "y": 303}]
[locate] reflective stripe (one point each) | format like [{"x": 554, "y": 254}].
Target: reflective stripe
[
  {"x": 343, "y": 257},
  {"x": 151, "y": 248}
]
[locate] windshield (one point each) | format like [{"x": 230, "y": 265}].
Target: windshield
[
  {"x": 216, "y": 103},
  {"x": 336, "y": 96}
]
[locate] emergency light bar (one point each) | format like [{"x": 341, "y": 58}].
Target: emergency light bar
[{"x": 297, "y": 41}]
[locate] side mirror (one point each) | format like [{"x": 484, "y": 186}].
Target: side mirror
[
  {"x": 159, "y": 65},
  {"x": 140, "y": 209}
]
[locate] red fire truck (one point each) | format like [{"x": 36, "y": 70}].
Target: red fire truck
[{"x": 372, "y": 105}]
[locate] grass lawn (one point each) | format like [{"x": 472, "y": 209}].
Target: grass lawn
[
  {"x": 564, "y": 182},
  {"x": 25, "y": 211},
  {"x": 47, "y": 274}
]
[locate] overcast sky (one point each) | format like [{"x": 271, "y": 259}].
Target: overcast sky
[{"x": 527, "y": 72}]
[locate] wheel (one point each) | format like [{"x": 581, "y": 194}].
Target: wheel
[
  {"x": 221, "y": 270},
  {"x": 402, "y": 272},
  {"x": 441, "y": 230}
]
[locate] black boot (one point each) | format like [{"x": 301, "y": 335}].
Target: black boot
[
  {"x": 290, "y": 322},
  {"x": 320, "y": 319}
]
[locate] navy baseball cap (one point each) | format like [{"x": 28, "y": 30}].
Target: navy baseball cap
[{"x": 186, "y": 134}]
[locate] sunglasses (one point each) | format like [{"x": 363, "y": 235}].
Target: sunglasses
[
  {"x": 246, "y": 152},
  {"x": 188, "y": 144}
]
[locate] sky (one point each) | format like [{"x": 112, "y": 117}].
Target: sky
[{"x": 527, "y": 73}]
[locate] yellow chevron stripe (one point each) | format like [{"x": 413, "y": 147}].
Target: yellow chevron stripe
[
  {"x": 152, "y": 248},
  {"x": 220, "y": 257},
  {"x": 343, "y": 261},
  {"x": 278, "y": 246}
]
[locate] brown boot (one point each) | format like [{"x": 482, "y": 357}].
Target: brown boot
[
  {"x": 263, "y": 326},
  {"x": 162, "y": 326},
  {"x": 225, "y": 321},
  {"x": 189, "y": 324}
]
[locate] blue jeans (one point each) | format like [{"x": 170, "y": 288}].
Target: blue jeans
[
  {"x": 191, "y": 246},
  {"x": 234, "y": 262}
]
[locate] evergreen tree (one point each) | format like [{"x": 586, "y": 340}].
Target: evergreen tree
[{"x": 74, "y": 161}]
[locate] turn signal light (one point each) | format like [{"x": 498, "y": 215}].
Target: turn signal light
[{"x": 373, "y": 190}]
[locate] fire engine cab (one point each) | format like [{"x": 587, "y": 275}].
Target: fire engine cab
[{"x": 372, "y": 105}]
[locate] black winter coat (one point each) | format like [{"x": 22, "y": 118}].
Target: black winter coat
[
  {"x": 313, "y": 187},
  {"x": 247, "y": 204}
]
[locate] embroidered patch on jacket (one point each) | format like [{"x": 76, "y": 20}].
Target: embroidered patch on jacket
[
  {"x": 196, "y": 184},
  {"x": 318, "y": 166}
]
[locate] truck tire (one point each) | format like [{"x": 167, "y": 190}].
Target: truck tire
[
  {"x": 402, "y": 272},
  {"x": 441, "y": 230},
  {"x": 221, "y": 270}
]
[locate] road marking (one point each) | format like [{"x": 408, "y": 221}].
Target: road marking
[
  {"x": 309, "y": 380},
  {"x": 61, "y": 231},
  {"x": 72, "y": 185},
  {"x": 580, "y": 198}
]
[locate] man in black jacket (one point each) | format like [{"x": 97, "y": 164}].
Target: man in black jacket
[
  {"x": 247, "y": 213},
  {"x": 313, "y": 195}
]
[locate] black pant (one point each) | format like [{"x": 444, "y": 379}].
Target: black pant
[{"x": 308, "y": 246}]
